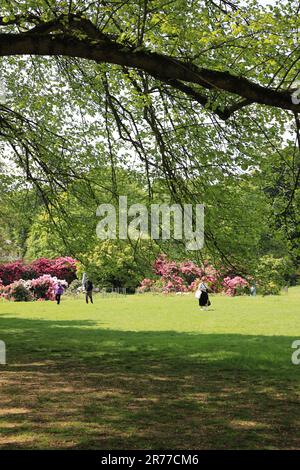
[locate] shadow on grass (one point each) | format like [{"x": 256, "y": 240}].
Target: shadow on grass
[{"x": 73, "y": 384}]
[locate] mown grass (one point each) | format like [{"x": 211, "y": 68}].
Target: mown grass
[{"x": 151, "y": 372}]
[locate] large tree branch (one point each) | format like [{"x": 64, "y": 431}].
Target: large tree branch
[{"x": 102, "y": 48}]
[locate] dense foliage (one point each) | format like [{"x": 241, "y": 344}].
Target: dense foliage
[
  {"x": 135, "y": 105},
  {"x": 62, "y": 268}
]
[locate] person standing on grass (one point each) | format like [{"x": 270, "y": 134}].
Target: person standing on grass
[
  {"x": 253, "y": 290},
  {"x": 58, "y": 292},
  {"x": 202, "y": 295},
  {"x": 89, "y": 292}
]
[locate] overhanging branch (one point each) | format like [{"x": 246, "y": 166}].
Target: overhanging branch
[{"x": 60, "y": 38}]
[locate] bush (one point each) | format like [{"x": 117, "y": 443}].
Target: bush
[
  {"x": 175, "y": 284},
  {"x": 186, "y": 276},
  {"x": 270, "y": 288},
  {"x": 18, "y": 291},
  {"x": 10, "y": 272},
  {"x": 145, "y": 286},
  {"x": 62, "y": 268},
  {"x": 271, "y": 273},
  {"x": 74, "y": 287},
  {"x": 157, "y": 286},
  {"x": 113, "y": 263},
  {"x": 44, "y": 287},
  {"x": 235, "y": 286}
]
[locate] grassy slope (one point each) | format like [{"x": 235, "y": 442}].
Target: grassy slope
[{"x": 151, "y": 372}]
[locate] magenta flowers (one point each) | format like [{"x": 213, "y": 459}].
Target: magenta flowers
[
  {"x": 185, "y": 276},
  {"x": 62, "y": 268}
]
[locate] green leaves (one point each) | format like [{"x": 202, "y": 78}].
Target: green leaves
[{"x": 76, "y": 116}]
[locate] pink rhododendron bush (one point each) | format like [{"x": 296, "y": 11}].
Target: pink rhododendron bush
[
  {"x": 235, "y": 286},
  {"x": 42, "y": 288},
  {"x": 185, "y": 277},
  {"x": 62, "y": 268}
]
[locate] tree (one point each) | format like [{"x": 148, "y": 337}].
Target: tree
[
  {"x": 144, "y": 40},
  {"x": 279, "y": 181},
  {"x": 147, "y": 84}
]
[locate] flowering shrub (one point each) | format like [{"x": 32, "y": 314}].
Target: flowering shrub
[
  {"x": 186, "y": 276},
  {"x": 235, "y": 286},
  {"x": 213, "y": 277},
  {"x": 190, "y": 271},
  {"x": 11, "y": 272},
  {"x": 42, "y": 288},
  {"x": 62, "y": 268},
  {"x": 165, "y": 268},
  {"x": 269, "y": 288},
  {"x": 146, "y": 285},
  {"x": 175, "y": 284},
  {"x": 157, "y": 286},
  {"x": 173, "y": 277},
  {"x": 194, "y": 285},
  {"x": 170, "y": 274},
  {"x": 18, "y": 291}
]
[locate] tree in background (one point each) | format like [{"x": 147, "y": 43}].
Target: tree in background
[{"x": 192, "y": 96}]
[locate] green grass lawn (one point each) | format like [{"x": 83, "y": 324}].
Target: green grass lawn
[{"x": 151, "y": 372}]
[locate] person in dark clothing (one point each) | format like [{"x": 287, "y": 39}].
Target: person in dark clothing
[
  {"x": 202, "y": 295},
  {"x": 58, "y": 292},
  {"x": 89, "y": 292}
]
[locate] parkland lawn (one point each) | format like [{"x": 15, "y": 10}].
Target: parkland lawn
[{"x": 151, "y": 372}]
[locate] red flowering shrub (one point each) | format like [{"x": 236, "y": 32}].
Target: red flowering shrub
[
  {"x": 10, "y": 272},
  {"x": 62, "y": 268}
]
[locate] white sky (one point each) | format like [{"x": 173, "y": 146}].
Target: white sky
[{"x": 267, "y": 2}]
